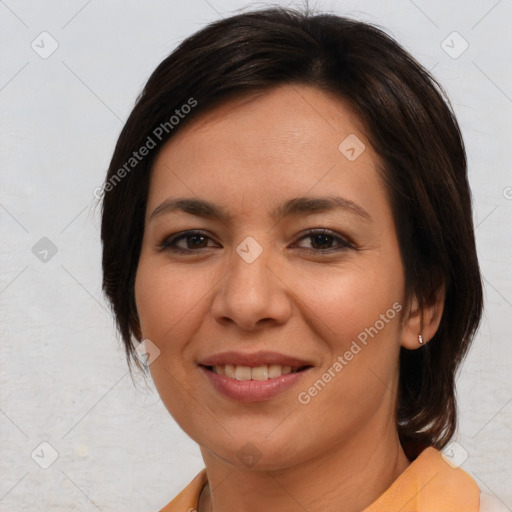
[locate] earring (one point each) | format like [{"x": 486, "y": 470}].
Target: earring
[{"x": 420, "y": 339}]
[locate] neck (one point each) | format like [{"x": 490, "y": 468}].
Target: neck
[{"x": 353, "y": 474}]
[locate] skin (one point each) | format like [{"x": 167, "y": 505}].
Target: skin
[{"x": 298, "y": 298}]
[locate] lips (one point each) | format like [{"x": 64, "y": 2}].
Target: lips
[
  {"x": 253, "y": 360},
  {"x": 253, "y": 377}
]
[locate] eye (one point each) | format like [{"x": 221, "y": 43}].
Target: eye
[
  {"x": 188, "y": 241},
  {"x": 323, "y": 240},
  {"x": 320, "y": 240}
]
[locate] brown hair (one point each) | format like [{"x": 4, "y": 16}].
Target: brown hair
[{"x": 409, "y": 123}]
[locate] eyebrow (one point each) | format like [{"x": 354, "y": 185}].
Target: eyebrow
[{"x": 296, "y": 206}]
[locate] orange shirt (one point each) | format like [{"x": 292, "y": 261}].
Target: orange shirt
[{"x": 429, "y": 484}]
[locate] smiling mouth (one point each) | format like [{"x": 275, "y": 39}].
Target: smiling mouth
[{"x": 262, "y": 372}]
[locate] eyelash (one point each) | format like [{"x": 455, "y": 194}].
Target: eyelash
[{"x": 168, "y": 243}]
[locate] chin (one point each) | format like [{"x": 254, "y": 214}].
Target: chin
[{"x": 258, "y": 453}]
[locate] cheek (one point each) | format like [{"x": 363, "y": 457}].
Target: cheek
[
  {"x": 346, "y": 301},
  {"x": 165, "y": 298},
  {"x": 356, "y": 313},
  {"x": 168, "y": 302}
]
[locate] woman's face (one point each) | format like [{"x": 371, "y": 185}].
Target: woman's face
[{"x": 269, "y": 242}]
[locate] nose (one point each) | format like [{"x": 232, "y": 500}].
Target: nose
[{"x": 252, "y": 294}]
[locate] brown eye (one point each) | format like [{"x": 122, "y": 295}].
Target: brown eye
[
  {"x": 195, "y": 241},
  {"x": 188, "y": 241},
  {"x": 323, "y": 240}
]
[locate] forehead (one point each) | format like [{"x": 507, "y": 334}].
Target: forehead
[
  {"x": 289, "y": 115},
  {"x": 288, "y": 140}
]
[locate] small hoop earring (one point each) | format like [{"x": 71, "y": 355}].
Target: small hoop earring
[{"x": 420, "y": 339}]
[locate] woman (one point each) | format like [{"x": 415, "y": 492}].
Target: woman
[{"x": 287, "y": 225}]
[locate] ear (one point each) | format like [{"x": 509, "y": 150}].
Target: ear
[{"x": 423, "y": 321}]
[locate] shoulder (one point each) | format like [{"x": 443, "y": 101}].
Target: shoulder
[
  {"x": 188, "y": 498},
  {"x": 489, "y": 503}
]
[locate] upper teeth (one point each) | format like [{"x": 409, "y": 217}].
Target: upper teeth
[{"x": 263, "y": 372}]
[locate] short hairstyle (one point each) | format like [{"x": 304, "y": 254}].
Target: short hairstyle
[{"x": 410, "y": 124}]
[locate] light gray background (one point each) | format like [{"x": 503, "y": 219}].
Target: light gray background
[{"x": 63, "y": 377}]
